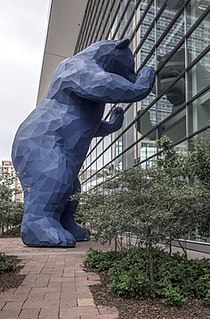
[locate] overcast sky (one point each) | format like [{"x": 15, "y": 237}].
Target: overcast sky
[{"x": 23, "y": 27}]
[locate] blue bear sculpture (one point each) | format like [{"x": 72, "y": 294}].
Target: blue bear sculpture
[{"x": 51, "y": 144}]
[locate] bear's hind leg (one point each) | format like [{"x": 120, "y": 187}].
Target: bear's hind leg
[
  {"x": 68, "y": 222},
  {"x": 45, "y": 232},
  {"x": 68, "y": 215},
  {"x": 44, "y": 202}
]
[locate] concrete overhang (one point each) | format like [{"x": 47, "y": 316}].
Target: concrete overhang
[{"x": 64, "y": 25}]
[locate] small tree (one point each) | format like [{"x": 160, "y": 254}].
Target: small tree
[
  {"x": 10, "y": 211},
  {"x": 198, "y": 163},
  {"x": 190, "y": 173},
  {"x": 157, "y": 204},
  {"x": 146, "y": 203}
]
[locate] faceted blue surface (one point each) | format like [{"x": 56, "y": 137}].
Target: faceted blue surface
[{"x": 51, "y": 144}]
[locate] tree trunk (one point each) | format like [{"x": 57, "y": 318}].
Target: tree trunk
[
  {"x": 182, "y": 247},
  {"x": 170, "y": 247},
  {"x": 115, "y": 243},
  {"x": 151, "y": 265}
]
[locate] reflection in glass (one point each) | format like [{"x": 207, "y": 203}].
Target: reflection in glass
[
  {"x": 168, "y": 104},
  {"x": 100, "y": 147},
  {"x": 147, "y": 46},
  {"x": 167, "y": 15},
  {"x": 145, "y": 123},
  {"x": 164, "y": 108},
  {"x": 174, "y": 127},
  {"x": 172, "y": 38},
  {"x": 199, "y": 76},
  {"x": 146, "y": 23},
  {"x": 148, "y": 120},
  {"x": 194, "y": 10},
  {"x": 129, "y": 156},
  {"x": 127, "y": 16},
  {"x": 167, "y": 75},
  {"x": 123, "y": 21},
  {"x": 199, "y": 113},
  {"x": 174, "y": 4},
  {"x": 128, "y": 137},
  {"x": 199, "y": 39},
  {"x": 117, "y": 150},
  {"x": 107, "y": 154},
  {"x": 147, "y": 149}
]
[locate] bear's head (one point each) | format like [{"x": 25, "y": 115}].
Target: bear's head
[{"x": 113, "y": 56}]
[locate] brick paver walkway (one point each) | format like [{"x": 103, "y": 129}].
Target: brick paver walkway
[{"x": 55, "y": 286}]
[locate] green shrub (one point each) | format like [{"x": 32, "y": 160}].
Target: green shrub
[
  {"x": 175, "y": 278},
  {"x": 207, "y": 298},
  {"x": 202, "y": 285},
  {"x": 101, "y": 260},
  {"x": 173, "y": 296},
  {"x": 12, "y": 232},
  {"x": 129, "y": 283},
  {"x": 6, "y": 264}
]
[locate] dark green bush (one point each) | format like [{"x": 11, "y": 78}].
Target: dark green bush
[
  {"x": 207, "y": 297},
  {"x": 173, "y": 296},
  {"x": 7, "y": 264},
  {"x": 99, "y": 260},
  {"x": 12, "y": 232},
  {"x": 129, "y": 283},
  {"x": 175, "y": 278}
]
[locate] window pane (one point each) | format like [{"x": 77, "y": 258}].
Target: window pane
[
  {"x": 199, "y": 39},
  {"x": 199, "y": 76},
  {"x": 147, "y": 149},
  {"x": 146, "y": 23},
  {"x": 199, "y": 113},
  {"x": 174, "y": 127},
  {"x": 146, "y": 123},
  {"x": 166, "y": 16},
  {"x": 194, "y": 10}
]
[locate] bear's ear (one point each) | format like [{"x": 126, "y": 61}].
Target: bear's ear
[{"x": 121, "y": 44}]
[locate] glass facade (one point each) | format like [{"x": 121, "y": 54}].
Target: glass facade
[{"x": 173, "y": 36}]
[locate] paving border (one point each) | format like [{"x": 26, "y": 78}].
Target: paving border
[{"x": 55, "y": 286}]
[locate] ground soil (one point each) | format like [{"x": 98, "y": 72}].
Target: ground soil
[
  {"x": 147, "y": 308},
  {"x": 11, "y": 279}
]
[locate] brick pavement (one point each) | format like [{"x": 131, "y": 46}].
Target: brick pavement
[{"x": 55, "y": 286}]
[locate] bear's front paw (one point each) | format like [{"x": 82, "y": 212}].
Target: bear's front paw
[
  {"x": 145, "y": 78},
  {"x": 116, "y": 118},
  {"x": 116, "y": 113},
  {"x": 147, "y": 71}
]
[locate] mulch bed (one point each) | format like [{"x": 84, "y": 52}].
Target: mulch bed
[
  {"x": 11, "y": 279},
  {"x": 146, "y": 308}
]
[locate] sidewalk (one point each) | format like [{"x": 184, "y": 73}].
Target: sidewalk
[{"x": 55, "y": 286}]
